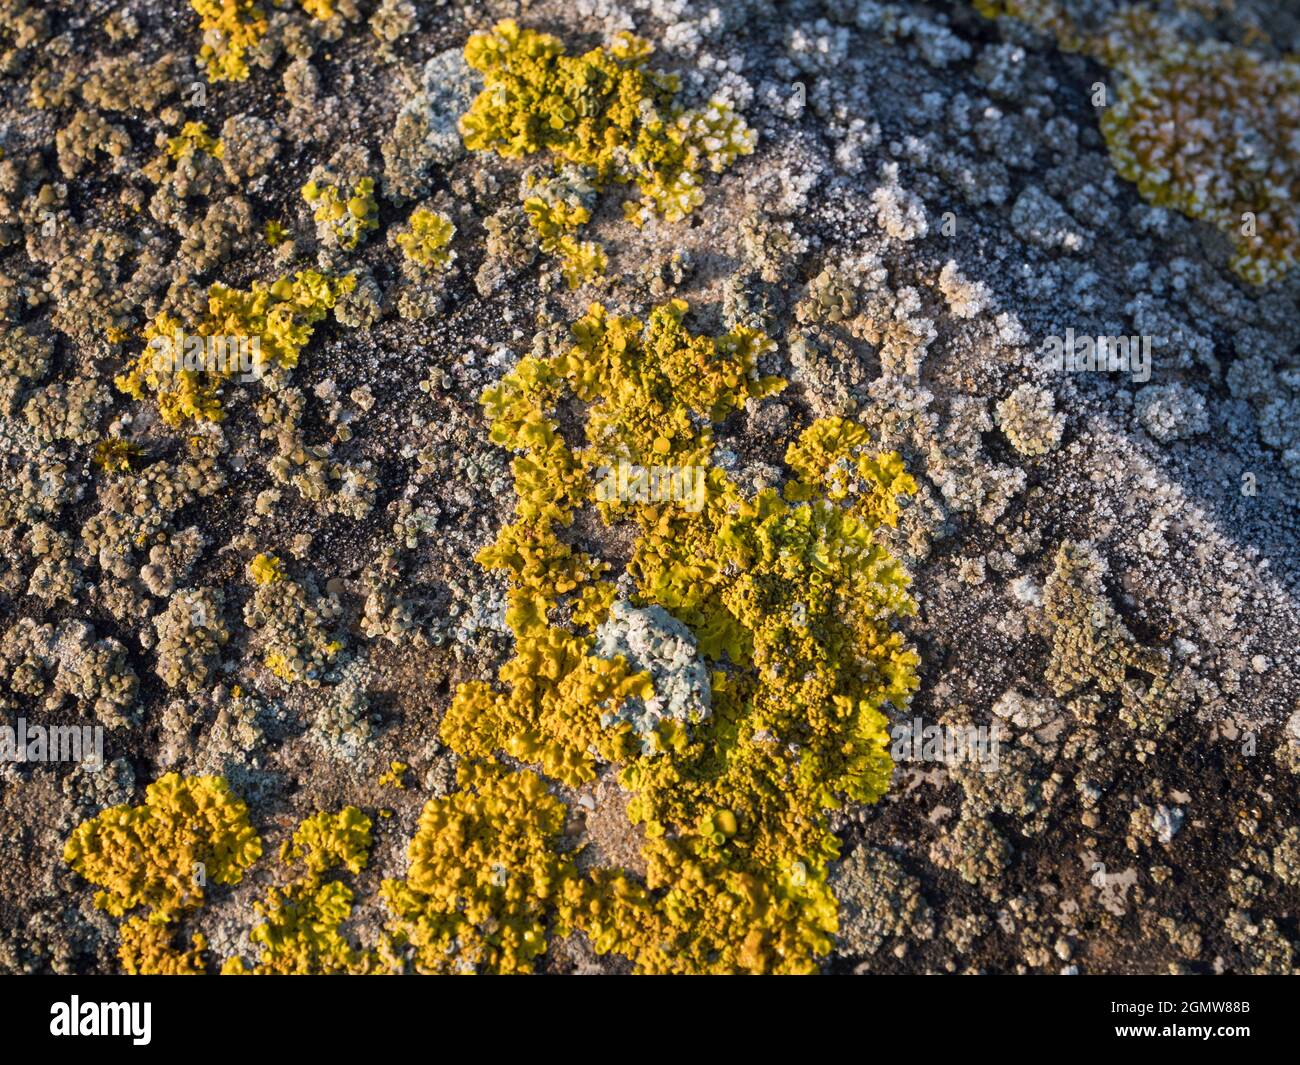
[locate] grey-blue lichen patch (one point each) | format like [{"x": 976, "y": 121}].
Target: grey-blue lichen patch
[
  {"x": 652, "y": 641},
  {"x": 426, "y": 133}
]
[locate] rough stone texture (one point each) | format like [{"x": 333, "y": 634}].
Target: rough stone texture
[{"x": 930, "y": 199}]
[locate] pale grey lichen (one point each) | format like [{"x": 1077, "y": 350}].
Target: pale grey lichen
[
  {"x": 1171, "y": 412},
  {"x": 426, "y": 133},
  {"x": 651, "y": 640},
  {"x": 879, "y": 901}
]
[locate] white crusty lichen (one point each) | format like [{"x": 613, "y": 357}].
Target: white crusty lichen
[
  {"x": 879, "y": 901},
  {"x": 899, "y": 213},
  {"x": 1171, "y": 412},
  {"x": 426, "y": 132},
  {"x": 965, "y": 298},
  {"x": 651, "y": 640},
  {"x": 67, "y": 662}
]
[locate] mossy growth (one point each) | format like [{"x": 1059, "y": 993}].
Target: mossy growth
[{"x": 790, "y": 597}]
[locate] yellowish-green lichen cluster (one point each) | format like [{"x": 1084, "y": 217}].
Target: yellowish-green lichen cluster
[
  {"x": 115, "y": 455},
  {"x": 194, "y": 137},
  {"x": 159, "y": 856},
  {"x": 427, "y": 242},
  {"x": 787, "y": 595},
  {"x": 485, "y": 876},
  {"x": 346, "y": 216},
  {"x": 300, "y": 928},
  {"x": 1207, "y": 128},
  {"x": 280, "y": 317},
  {"x": 274, "y": 233},
  {"x": 266, "y": 569},
  {"x": 556, "y": 209},
  {"x": 230, "y": 29},
  {"x": 790, "y": 597},
  {"x": 604, "y": 112}
]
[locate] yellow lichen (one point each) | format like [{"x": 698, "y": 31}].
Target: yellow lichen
[
  {"x": 189, "y": 831},
  {"x": 327, "y": 841},
  {"x": 484, "y": 877},
  {"x": 348, "y": 216},
  {"x": 266, "y": 569},
  {"x": 300, "y": 928},
  {"x": 428, "y": 241},
  {"x": 115, "y": 455},
  {"x": 265, "y": 326},
  {"x": 194, "y": 137},
  {"x": 230, "y": 29},
  {"x": 605, "y": 111},
  {"x": 148, "y": 949},
  {"x": 790, "y": 597},
  {"x": 1206, "y": 128},
  {"x": 274, "y": 233}
]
